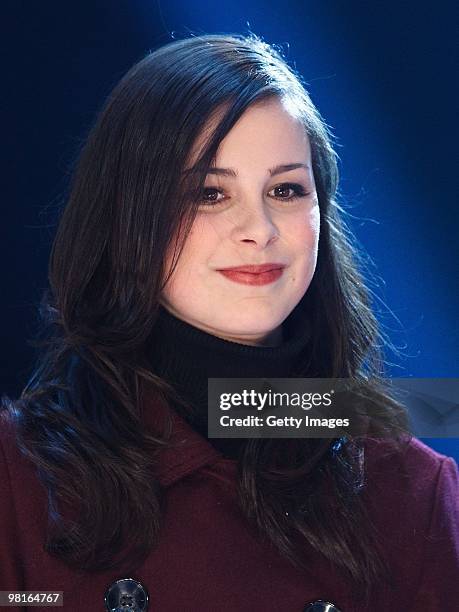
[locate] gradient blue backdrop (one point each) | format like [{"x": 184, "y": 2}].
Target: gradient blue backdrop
[{"x": 381, "y": 76}]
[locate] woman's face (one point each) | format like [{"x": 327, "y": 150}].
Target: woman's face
[{"x": 250, "y": 215}]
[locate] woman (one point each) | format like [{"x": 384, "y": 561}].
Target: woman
[{"x": 209, "y": 156}]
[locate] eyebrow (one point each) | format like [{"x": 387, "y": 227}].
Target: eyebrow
[{"x": 230, "y": 172}]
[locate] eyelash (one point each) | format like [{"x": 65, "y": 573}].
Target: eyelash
[{"x": 298, "y": 190}]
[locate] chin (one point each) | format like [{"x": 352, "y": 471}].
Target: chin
[{"x": 250, "y": 325}]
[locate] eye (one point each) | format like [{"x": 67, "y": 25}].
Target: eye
[
  {"x": 208, "y": 195},
  {"x": 285, "y": 191},
  {"x": 285, "y": 188}
]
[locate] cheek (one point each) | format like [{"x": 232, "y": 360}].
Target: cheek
[
  {"x": 313, "y": 218},
  {"x": 305, "y": 233},
  {"x": 304, "y": 247},
  {"x": 194, "y": 255}
]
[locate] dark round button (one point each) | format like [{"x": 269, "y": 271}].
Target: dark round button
[
  {"x": 126, "y": 595},
  {"x": 321, "y": 606}
]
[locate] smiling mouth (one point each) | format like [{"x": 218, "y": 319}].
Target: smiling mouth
[
  {"x": 253, "y": 278},
  {"x": 255, "y": 268}
]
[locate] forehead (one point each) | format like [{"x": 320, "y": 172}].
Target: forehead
[{"x": 268, "y": 132}]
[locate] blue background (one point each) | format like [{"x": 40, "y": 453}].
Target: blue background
[{"x": 381, "y": 75}]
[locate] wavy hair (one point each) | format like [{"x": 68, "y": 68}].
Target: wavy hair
[{"x": 79, "y": 416}]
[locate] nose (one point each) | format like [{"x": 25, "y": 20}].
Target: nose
[{"x": 255, "y": 225}]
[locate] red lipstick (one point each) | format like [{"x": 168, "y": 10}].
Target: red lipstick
[{"x": 254, "y": 274}]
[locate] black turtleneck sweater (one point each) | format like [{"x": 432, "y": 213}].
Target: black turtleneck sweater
[{"x": 186, "y": 357}]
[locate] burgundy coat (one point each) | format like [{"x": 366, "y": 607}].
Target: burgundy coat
[{"x": 209, "y": 559}]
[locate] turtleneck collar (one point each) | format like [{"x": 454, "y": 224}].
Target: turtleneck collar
[{"x": 187, "y": 356}]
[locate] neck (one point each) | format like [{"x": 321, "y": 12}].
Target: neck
[{"x": 186, "y": 356}]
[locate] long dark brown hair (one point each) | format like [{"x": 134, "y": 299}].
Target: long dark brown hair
[{"x": 78, "y": 418}]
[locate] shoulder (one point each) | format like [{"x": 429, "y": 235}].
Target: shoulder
[
  {"x": 9, "y": 450},
  {"x": 413, "y": 493},
  {"x": 413, "y": 462},
  {"x": 11, "y": 458},
  {"x": 11, "y": 573},
  {"x": 23, "y": 509},
  {"x": 19, "y": 482},
  {"x": 411, "y": 474}
]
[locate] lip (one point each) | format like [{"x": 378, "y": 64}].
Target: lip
[
  {"x": 241, "y": 275},
  {"x": 254, "y": 269}
]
